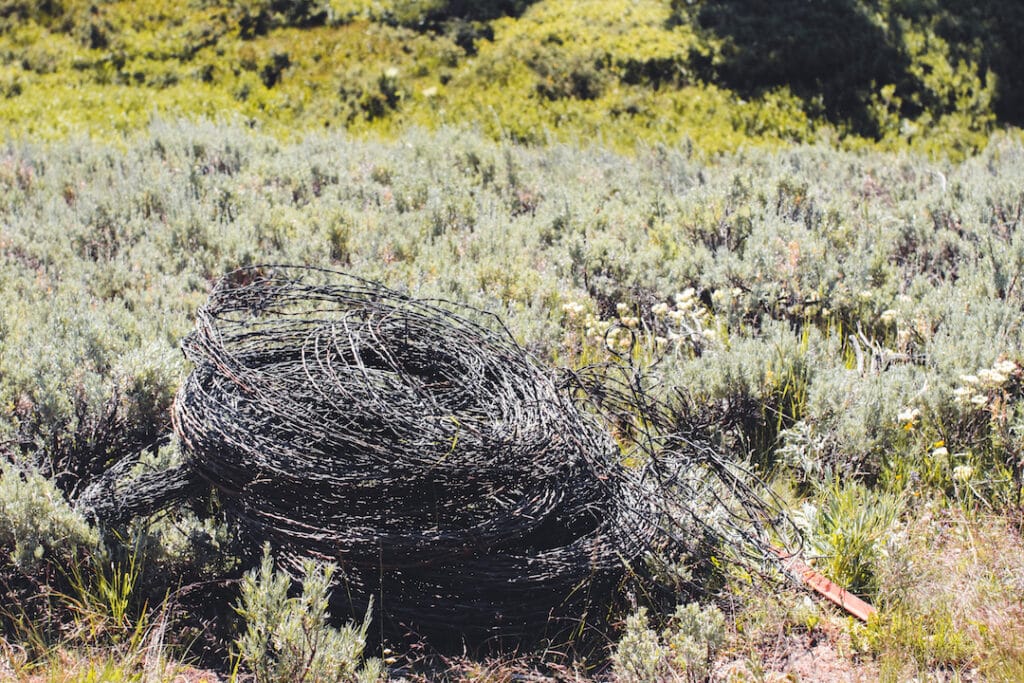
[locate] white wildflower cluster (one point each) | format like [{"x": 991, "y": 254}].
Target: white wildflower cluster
[
  {"x": 683, "y": 324},
  {"x": 911, "y": 328},
  {"x": 687, "y": 321},
  {"x": 625, "y": 316},
  {"x": 597, "y": 331},
  {"x": 979, "y": 389},
  {"x": 963, "y": 473},
  {"x": 889, "y": 316},
  {"x": 573, "y": 310},
  {"x": 908, "y": 417},
  {"x": 956, "y": 464},
  {"x": 618, "y": 334}
]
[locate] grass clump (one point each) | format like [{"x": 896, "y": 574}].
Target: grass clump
[
  {"x": 847, "y": 530},
  {"x": 948, "y": 598},
  {"x": 88, "y": 619}
]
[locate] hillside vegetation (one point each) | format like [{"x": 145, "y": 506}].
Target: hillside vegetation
[{"x": 715, "y": 73}]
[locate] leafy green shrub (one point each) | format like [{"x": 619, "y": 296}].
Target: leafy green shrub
[
  {"x": 638, "y": 656},
  {"x": 36, "y": 522},
  {"x": 82, "y": 408},
  {"x": 846, "y": 529},
  {"x": 981, "y": 33},
  {"x": 22, "y": 10},
  {"x": 257, "y": 17},
  {"x": 808, "y": 48},
  {"x": 289, "y": 638},
  {"x": 831, "y": 319},
  {"x": 685, "y": 649}
]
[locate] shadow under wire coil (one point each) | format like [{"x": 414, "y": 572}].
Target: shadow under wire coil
[{"x": 429, "y": 456}]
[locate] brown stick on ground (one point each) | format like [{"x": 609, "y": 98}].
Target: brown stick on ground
[{"x": 817, "y": 582}]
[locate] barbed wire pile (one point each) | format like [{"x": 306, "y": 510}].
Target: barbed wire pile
[{"x": 456, "y": 481}]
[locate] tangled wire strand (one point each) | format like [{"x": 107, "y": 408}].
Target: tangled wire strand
[{"x": 706, "y": 500}]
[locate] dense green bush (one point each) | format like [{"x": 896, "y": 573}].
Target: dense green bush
[
  {"x": 986, "y": 33},
  {"x": 834, "y": 54},
  {"x": 36, "y": 522},
  {"x": 883, "y": 69},
  {"x": 15, "y": 11},
  {"x": 718, "y": 74},
  {"x": 684, "y": 650}
]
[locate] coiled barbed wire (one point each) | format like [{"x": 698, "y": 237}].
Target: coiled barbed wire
[
  {"x": 431, "y": 458},
  {"x": 452, "y": 477}
]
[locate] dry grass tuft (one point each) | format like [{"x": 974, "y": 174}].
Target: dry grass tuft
[{"x": 952, "y": 588}]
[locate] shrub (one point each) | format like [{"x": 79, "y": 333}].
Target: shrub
[
  {"x": 685, "y": 649},
  {"x": 693, "y": 636},
  {"x": 22, "y": 10},
  {"x": 289, "y": 638},
  {"x": 36, "y": 523},
  {"x": 846, "y": 530},
  {"x": 638, "y": 656}
]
